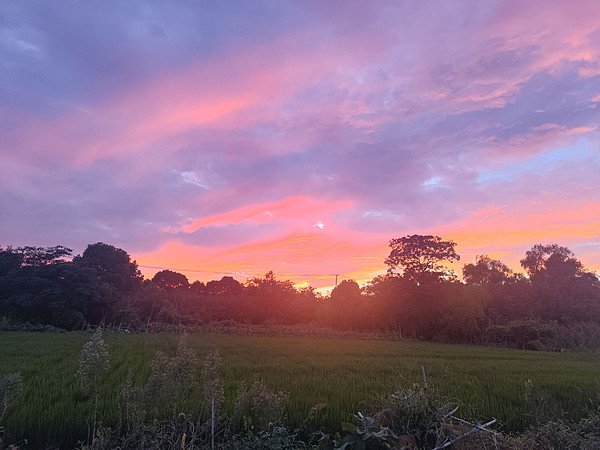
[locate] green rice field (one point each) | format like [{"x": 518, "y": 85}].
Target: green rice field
[{"x": 341, "y": 372}]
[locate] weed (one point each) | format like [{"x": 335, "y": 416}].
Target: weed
[
  {"x": 261, "y": 407},
  {"x": 170, "y": 381},
  {"x": 93, "y": 365},
  {"x": 11, "y": 387},
  {"x": 213, "y": 393}
]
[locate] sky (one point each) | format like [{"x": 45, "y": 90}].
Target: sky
[{"x": 238, "y": 137}]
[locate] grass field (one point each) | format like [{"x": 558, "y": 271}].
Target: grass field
[{"x": 342, "y": 372}]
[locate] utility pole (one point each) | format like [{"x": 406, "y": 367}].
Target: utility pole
[{"x": 336, "y": 280}]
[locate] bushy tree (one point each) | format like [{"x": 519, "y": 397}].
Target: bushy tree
[
  {"x": 62, "y": 294},
  {"x": 270, "y": 299},
  {"x": 169, "y": 280},
  {"x": 112, "y": 265},
  {"x": 563, "y": 289},
  {"x": 10, "y": 260},
  {"x": 41, "y": 256},
  {"x": 486, "y": 271},
  {"x": 419, "y": 258},
  {"x": 349, "y": 310},
  {"x": 117, "y": 274},
  {"x": 225, "y": 286}
]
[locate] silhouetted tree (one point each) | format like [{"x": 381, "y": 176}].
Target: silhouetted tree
[
  {"x": 9, "y": 260},
  {"x": 462, "y": 316},
  {"x": 563, "y": 289},
  {"x": 485, "y": 271},
  {"x": 348, "y": 307},
  {"x": 389, "y": 298},
  {"x": 114, "y": 269},
  {"x": 169, "y": 280},
  {"x": 419, "y": 257},
  {"x": 305, "y": 305},
  {"x": 40, "y": 256},
  {"x": 198, "y": 288},
  {"x": 221, "y": 299},
  {"x": 59, "y": 294},
  {"x": 144, "y": 304},
  {"x": 270, "y": 299},
  {"x": 225, "y": 286},
  {"x": 112, "y": 265},
  {"x": 541, "y": 258}
]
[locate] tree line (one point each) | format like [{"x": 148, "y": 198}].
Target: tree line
[{"x": 418, "y": 297}]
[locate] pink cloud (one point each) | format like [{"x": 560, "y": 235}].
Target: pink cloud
[
  {"x": 229, "y": 93},
  {"x": 370, "y": 119},
  {"x": 561, "y": 32},
  {"x": 289, "y": 209}
]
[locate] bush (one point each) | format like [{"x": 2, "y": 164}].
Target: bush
[{"x": 525, "y": 334}]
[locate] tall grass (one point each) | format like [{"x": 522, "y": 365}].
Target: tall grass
[{"x": 342, "y": 372}]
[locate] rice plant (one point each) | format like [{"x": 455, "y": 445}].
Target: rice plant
[{"x": 342, "y": 372}]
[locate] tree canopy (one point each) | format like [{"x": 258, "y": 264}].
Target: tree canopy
[
  {"x": 486, "y": 270},
  {"x": 112, "y": 265},
  {"x": 169, "y": 280},
  {"x": 419, "y": 257},
  {"x": 544, "y": 258},
  {"x": 418, "y": 297}
]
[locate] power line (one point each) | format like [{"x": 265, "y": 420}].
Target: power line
[{"x": 220, "y": 272}]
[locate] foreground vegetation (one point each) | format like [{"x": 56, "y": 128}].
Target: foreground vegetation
[{"x": 341, "y": 372}]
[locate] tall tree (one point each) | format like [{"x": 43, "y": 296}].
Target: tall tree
[
  {"x": 116, "y": 273},
  {"x": 112, "y": 265},
  {"x": 419, "y": 258}
]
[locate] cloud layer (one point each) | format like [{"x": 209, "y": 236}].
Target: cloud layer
[{"x": 300, "y": 137}]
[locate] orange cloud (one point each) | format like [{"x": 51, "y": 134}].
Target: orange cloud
[
  {"x": 508, "y": 233},
  {"x": 316, "y": 257},
  {"x": 303, "y": 257}
]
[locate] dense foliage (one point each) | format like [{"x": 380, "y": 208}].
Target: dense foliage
[{"x": 419, "y": 297}]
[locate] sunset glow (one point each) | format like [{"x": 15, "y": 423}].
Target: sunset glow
[{"x": 300, "y": 137}]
